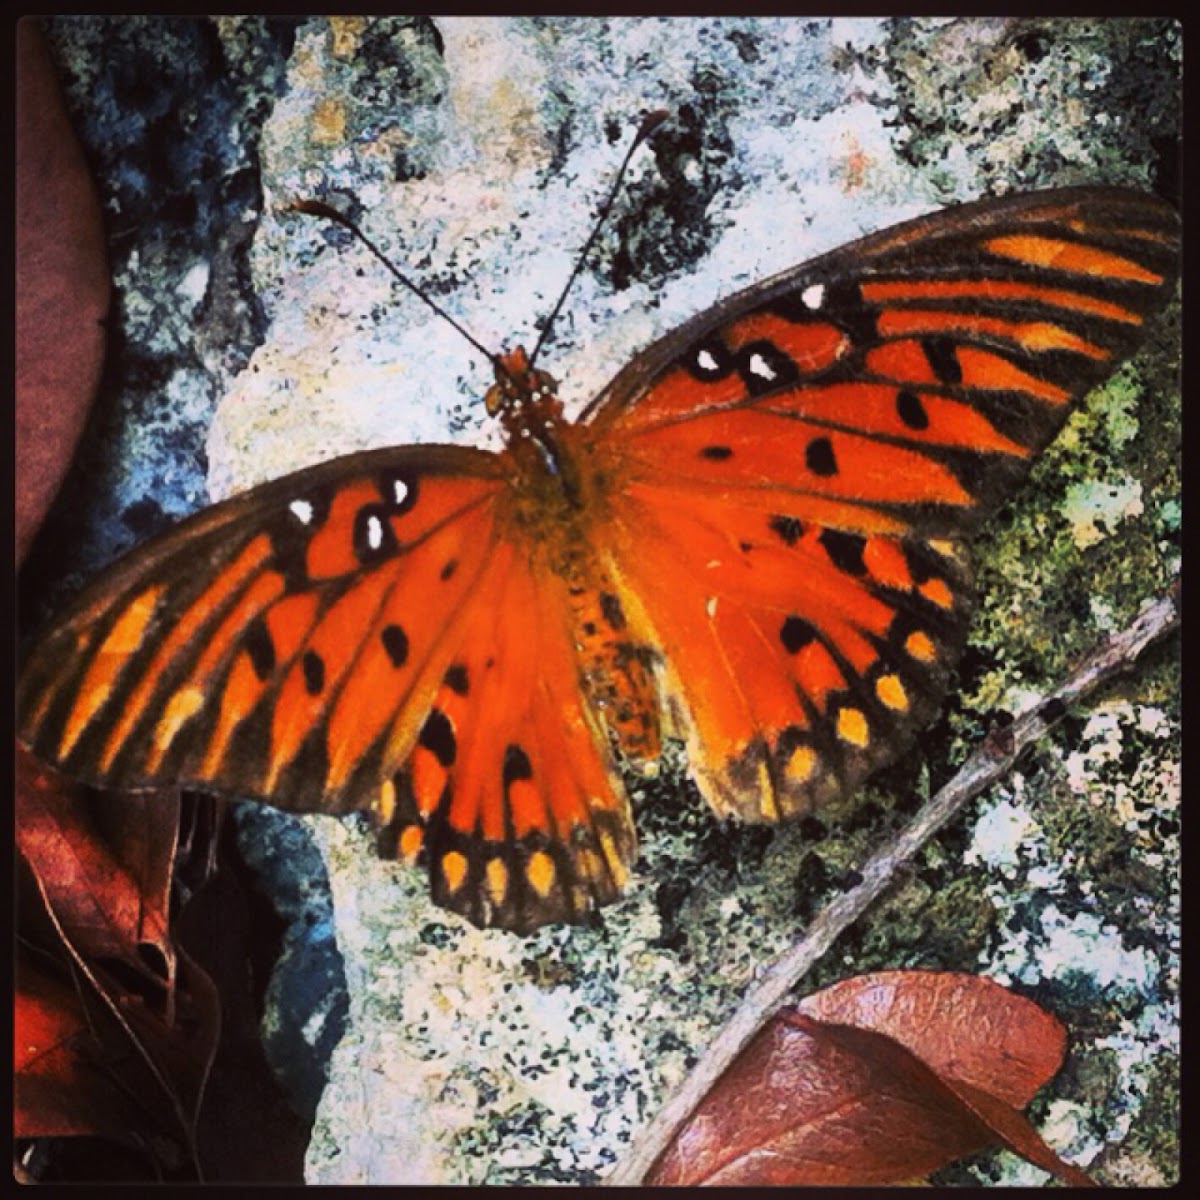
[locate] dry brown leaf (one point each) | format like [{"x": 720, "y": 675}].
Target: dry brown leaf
[
  {"x": 62, "y": 288},
  {"x": 110, "y": 897},
  {"x": 850, "y": 1099}
]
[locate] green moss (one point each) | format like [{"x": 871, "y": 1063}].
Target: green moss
[{"x": 1149, "y": 1156}]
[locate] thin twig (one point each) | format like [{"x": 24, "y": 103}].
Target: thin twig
[{"x": 988, "y": 764}]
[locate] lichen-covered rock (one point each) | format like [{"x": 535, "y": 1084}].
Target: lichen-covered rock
[{"x": 477, "y": 152}]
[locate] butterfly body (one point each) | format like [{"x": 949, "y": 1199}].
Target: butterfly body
[{"x": 755, "y": 537}]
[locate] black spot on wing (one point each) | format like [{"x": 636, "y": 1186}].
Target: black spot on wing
[
  {"x": 395, "y": 643},
  {"x": 374, "y": 539},
  {"x": 819, "y": 457},
  {"x": 845, "y": 550},
  {"x": 437, "y": 736},
  {"x": 795, "y": 633},
  {"x": 708, "y": 362},
  {"x": 911, "y": 411},
  {"x": 399, "y": 490},
  {"x": 765, "y": 368},
  {"x": 516, "y": 765},
  {"x": 313, "y": 667},
  {"x": 258, "y": 645},
  {"x": 788, "y": 529}
]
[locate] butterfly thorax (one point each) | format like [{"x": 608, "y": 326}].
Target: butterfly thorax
[{"x": 537, "y": 433}]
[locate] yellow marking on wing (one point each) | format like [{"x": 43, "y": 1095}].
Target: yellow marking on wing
[
  {"x": 1044, "y": 335},
  {"x": 540, "y": 872},
  {"x": 945, "y": 547},
  {"x": 182, "y": 706},
  {"x": 497, "y": 881},
  {"x": 801, "y": 764},
  {"x": 891, "y": 691},
  {"x": 387, "y": 801},
  {"x": 454, "y": 870},
  {"x": 920, "y": 647},
  {"x": 852, "y": 727},
  {"x": 411, "y": 840},
  {"x": 123, "y": 638}
]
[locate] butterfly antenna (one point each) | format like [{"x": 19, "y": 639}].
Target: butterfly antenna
[
  {"x": 315, "y": 208},
  {"x": 649, "y": 124}
]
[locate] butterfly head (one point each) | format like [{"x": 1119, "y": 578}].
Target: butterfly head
[{"x": 519, "y": 384}]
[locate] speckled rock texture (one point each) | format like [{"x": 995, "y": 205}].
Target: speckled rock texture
[{"x": 250, "y": 341}]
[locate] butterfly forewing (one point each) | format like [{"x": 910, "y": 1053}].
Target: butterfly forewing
[
  {"x": 226, "y": 653},
  {"x": 802, "y": 464}
]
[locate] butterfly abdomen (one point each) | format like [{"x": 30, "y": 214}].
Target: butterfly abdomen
[{"x": 616, "y": 672}]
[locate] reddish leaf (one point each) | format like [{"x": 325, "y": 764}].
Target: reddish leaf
[
  {"x": 57, "y": 1090},
  {"x": 965, "y": 1027},
  {"x": 995, "y": 1053},
  {"x": 62, "y": 286},
  {"x": 816, "y": 1103},
  {"x": 1014, "y": 1131},
  {"x": 173, "y": 1047},
  {"x": 109, "y": 898},
  {"x": 142, "y": 831}
]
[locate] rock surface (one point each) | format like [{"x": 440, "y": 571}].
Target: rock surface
[{"x": 477, "y": 151}]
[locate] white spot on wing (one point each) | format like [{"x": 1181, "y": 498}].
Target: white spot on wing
[
  {"x": 374, "y": 532},
  {"x": 705, "y": 361},
  {"x": 763, "y": 369},
  {"x": 813, "y": 296},
  {"x": 302, "y": 510},
  {"x": 400, "y": 490}
]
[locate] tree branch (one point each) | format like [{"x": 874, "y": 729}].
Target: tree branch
[{"x": 989, "y": 763}]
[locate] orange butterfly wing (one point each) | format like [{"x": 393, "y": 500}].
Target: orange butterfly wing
[
  {"x": 237, "y": 650},
  {"x": 799, "y": 468},
  {"x": 364, "y": 634},
  {"x": 511, "y": 789},
  {"x": 767, "y": 507}
]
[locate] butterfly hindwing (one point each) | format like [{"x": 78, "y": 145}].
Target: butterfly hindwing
[
  {"x": 804, "y": 656},
  {"x": 511, "y": 795},
  {"x": 803, "y": 463}
]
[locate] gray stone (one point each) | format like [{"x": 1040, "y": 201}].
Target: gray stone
[{"x": 477, "y": 152}]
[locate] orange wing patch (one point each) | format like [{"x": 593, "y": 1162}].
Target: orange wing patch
[
  {"x": 791, "y": 647},
  {"x": 511, "y": 795}
]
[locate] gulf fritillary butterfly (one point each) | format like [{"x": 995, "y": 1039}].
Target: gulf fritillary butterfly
[{"x": 757, "y": 531}]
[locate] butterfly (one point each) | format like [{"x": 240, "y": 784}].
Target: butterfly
[{"x": 755, "y": 537}]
